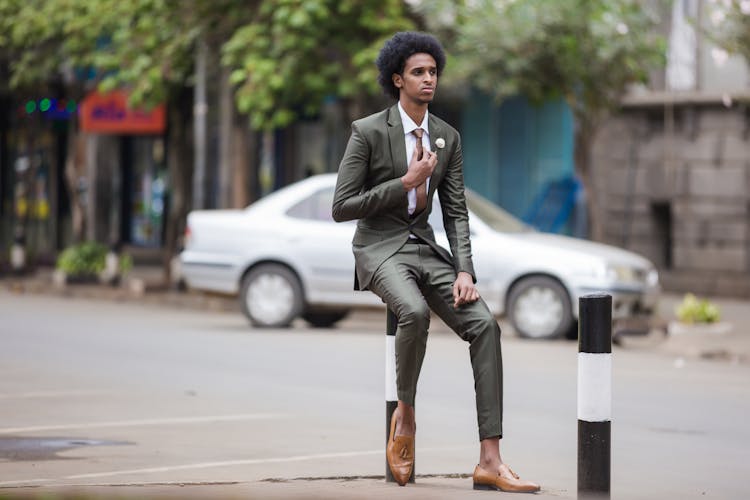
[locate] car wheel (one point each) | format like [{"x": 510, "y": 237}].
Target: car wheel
[
  {"x": 539, "y": 308},
  {"x": 271, "y": 296},
  {"x": 572, "y": 333},
  {"x": 324, "y": 319}
]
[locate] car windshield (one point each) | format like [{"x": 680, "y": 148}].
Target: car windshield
[
  {"x": 494, "y": 216},
  {"x": 317, "y": 206},
  {"x": 486, "y": 211}
]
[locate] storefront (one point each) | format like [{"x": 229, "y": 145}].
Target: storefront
[
  {"x": 33, "y": 201},
  {"x": 130, "y": 184},
  {"x": 118, "y": 170}
]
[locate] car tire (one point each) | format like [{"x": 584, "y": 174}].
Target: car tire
[
  {"x": 324, "y": 319},
  {"x": 539, "y": 308},
  {"x": 572, "y": 333},
  {"x": 271, "y": 296}
]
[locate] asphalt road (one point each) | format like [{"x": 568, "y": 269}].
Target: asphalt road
[{"x": 122, "y": 399}]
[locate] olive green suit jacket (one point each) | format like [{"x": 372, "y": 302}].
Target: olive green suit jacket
[{"x": 369, "y": 188}]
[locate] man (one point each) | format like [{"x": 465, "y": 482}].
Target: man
[{"x": 394, "y": 163}]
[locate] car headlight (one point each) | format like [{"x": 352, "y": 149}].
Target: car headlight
[
  {"x": 622, "y": 274},
  {"x": 630, "y": 274}
]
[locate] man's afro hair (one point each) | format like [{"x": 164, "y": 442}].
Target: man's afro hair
[{"x": 397, "y": 50}]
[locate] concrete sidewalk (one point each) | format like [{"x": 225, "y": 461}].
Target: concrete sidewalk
[
  {"x": 729, "y": 342},
  {"x": 443, "y": 487}
]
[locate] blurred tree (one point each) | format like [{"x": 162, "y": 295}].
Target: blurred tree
[
  {"x": 585, "y": 51},
  {"x": 286, "y": 56},
  {"x": 730, "y": 20},
  {"x": 296, "y": 53},
  {"x": 33, "y": 40},
  {"x": 150, "y": 50},
  {"x": 145, "y": 46}
]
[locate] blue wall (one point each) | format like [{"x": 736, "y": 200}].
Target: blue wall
[{"x": 511, "y": 151}]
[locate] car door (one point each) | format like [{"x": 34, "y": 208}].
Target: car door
[{"x": 323, "y": 250}]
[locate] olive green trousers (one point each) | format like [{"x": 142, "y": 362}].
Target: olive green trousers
[{"x": 415, "y": 280}]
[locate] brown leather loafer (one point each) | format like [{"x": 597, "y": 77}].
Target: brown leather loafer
[
  {"x": 400, "y": 454},
  {"x": 505, "y": 480}
]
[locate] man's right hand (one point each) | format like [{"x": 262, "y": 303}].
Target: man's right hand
[{"x": 419, "y": 170}]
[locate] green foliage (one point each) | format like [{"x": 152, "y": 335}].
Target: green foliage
[
  {"x": 84, "y": 259},
  {"x": 143, "y": 45},
  {"x": 694, "y": 310},
  {"x": 732, "y": 29},
  {"x": 125, "y": 263},
  {"x": 149, "y": 47},
  {"x": 286, "y": 56},
  {"x": 88, "y": 259},
  {"x": 586, "y": 51},
  {"x": 295, "y": 53}
]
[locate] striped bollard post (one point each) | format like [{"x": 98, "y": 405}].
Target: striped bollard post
[
  {"x": 594, "y": 395},
  {"x": 391, "y": 392}
]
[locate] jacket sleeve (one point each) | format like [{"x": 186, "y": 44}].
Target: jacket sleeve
[
  {"x": 351, "y": 200},
  {"x": 455, "y": 214}
]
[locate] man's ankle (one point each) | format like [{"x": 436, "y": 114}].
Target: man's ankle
[
  {"x": 405, "y": 426},
  {"x": 490, "y": 465}
]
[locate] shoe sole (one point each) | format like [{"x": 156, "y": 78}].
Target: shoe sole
[{"x": 491, "y": 487}]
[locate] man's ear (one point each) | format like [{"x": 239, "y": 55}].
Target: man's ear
[{"x": 397, "y": 80}]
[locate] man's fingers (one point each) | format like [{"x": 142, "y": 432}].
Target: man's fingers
[
  {"x": 465, "y": 295},
  {"x": 414, "y": 160},
  {"x": 432, "y": 158},
  {"x": 461, "y": 295}
]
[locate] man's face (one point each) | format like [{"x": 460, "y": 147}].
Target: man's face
[{"x": 419, "y": 80}]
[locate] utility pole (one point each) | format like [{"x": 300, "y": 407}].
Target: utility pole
[
  {"x": 226, "y": 146},
  {"x": 200, "y": 110}
]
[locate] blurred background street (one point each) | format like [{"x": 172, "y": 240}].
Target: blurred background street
[
  {"x": 108, "y": 393},
  {"x": 177, "y": 316}
]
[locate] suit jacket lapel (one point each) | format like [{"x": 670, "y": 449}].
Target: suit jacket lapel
[
  {"x": 436, "y": 131},
  {"x": 397, "y": 142}
]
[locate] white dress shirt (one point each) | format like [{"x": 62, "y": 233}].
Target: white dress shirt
[{"x": 411, "y": 142}]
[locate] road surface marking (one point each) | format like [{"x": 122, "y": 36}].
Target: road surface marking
[
  {"x": 51, "y": 394},
  {"x": 24, "y": 481},
  {"x": 143, "y": 422},
  {"x": 228, "y": 463},
  {"x": 254, "y": 461}
]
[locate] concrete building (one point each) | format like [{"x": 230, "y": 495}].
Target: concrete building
[{"x": 672, "y": 170}]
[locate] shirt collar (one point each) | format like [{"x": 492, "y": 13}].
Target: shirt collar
[{"x": 409, "y": 124}]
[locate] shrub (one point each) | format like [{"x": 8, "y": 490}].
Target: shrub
[
  {"x": 694, "y": 310},
  {"x": 84, "y": 259},
  {"x": 88, "y": 260},
  {"x": 126, "y": 263}
]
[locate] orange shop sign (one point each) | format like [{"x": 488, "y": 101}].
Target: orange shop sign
[{"x": 110, "y": 114}]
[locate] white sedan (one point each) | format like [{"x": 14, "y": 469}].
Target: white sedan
[{"x": 285, "y": 257}]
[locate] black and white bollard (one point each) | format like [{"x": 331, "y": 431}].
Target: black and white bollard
[
  {"x": 594, "y": 395},
  {"x": 391, "y": 391}
]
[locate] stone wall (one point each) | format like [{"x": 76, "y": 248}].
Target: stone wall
[{"x": 681, "y": 199}]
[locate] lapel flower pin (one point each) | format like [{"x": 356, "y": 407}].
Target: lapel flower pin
[{"x": 440, "y": 142}]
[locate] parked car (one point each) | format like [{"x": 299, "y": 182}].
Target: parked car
[{"x": 285, "y": 257}]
